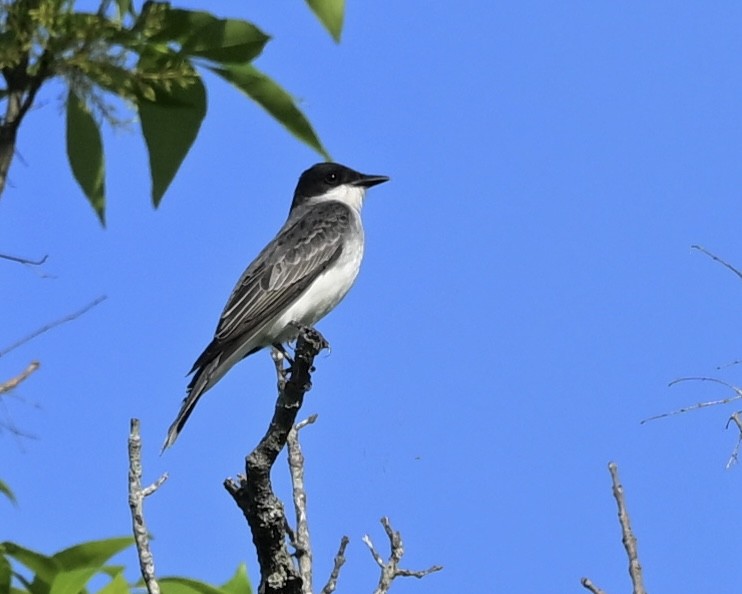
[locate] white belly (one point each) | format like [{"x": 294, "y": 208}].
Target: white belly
[{"x": 321, "y": 296}]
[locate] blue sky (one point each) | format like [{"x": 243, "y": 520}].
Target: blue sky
[{"x": 528, "y": 292}]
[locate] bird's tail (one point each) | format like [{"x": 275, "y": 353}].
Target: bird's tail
[{"x": 199, "y": 384}]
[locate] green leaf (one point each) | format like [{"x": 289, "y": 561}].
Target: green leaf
[
  {"x": 94, "y": 553},
  {"x": 5, "y": 490},
  {"x": 117, "y": 585},
  {"x": 44, "y": 567},
  {"x": 177, "y": 585},
  {"x": 5, "y": 574},
  {"x": 202, "y": 34},
  {"x": 170, "y": 124},
  {"x": 112, "y": 570},
  {"x": 85, "y": 152},
  {"x": 227, "y": 40},
  {"x": 124, "y": 7},
  {"x": 277, "y": 102},
  {"x": 72, "y": 581},
  {"x": 331, "y": 14},
  {"x": 239, "y": 582},
  {"x": 30, "y": 586}
]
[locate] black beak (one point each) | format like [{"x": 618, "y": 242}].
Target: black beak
[{"x": 367, "y": 181}]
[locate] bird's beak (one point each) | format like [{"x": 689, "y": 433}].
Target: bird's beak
[{"x": 366, "y": 181}]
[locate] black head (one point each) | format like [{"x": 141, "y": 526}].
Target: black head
[{"x": 325, "y": 177}]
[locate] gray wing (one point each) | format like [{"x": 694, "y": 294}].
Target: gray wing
[{"x": 281, "y": 272}]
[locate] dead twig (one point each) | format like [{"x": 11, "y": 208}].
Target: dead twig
[
  {"x": 716, "y": 258},
  {"x": 26, "y": 261},
  {"x": 136, "y": 503},
  {"x": 6, "y": 387},
  {"x": 586, "y": 583},
  {"x": 337, "y": 565},
  {"x": 737, "y": 391},
  {"x": 737, "y": 420},
  {"x": 300, "y": 539},
  {"x": 47, "y": 327},
  {"x": 13, "y": 382},
  {"x": 390, "y": 569},
  {"x": 627, "y": 537}
]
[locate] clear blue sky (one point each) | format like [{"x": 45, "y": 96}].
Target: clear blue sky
[{"x": 527, "y": 294}]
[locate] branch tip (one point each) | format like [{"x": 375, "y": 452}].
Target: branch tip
[
  {"x": 136, "y": 505},
  {"x": 390, "y": 570}
]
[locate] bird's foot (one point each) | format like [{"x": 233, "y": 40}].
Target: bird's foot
[{"x": 311, "y": 335}]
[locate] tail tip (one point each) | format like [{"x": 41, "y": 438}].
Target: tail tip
[{"x": 172, "y": 435}]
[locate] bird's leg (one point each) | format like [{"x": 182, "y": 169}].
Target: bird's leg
[
  {"x": 282, "y": 349},
  {"x": 278, "y": 354}
]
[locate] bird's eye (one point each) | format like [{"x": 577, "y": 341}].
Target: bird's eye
[{"x": 331, "y": 178}]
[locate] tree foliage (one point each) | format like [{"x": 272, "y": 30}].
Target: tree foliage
[
  {"x": 146, "y": 60},
  {"x": 69, "y": 571}
]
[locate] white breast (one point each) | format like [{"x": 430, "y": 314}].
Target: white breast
[{"x": 324, "y": 293}]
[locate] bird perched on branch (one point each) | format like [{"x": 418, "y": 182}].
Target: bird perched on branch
[{"x": 299, "y": 277}]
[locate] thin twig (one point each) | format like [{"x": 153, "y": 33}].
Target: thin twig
[
  {"x": 47, "y": 327},
  {"x": 332, "y": 582},
  {"x": 628, "y": 538},
  {"x": 391, "y": 570},
  {"x": 590, "y": 586},
  {"x": 24, "y": 260},
  {"x": 737, "y": 420},
  {"x": 300, "y": 539},
  {"x": 698, "y": 405},
  {"x": 5, "y": 389},
  {"x": 136, "y": 504},
  {"x": 13, "y": 382},
  {"x": 717, "y": 259},
  {"x": 730, "y": 364}
]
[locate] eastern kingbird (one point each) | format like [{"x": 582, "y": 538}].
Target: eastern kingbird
[{"x": 302, "y": 274}]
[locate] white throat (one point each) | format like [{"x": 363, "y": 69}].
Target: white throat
[{"x": 348, "y": 194}]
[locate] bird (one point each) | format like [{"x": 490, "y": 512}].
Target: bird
[{"x": 297, "y": 279}]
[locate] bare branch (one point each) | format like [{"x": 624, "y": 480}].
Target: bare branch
[
  {"x": 628, "y": 538},
  {"x": 339, "y": 562},
  {"x": 6, "y": 388},
  {"x": 730, "y": 364},
  {"x": 253, "y": 492},
  {"x": 13, "y": 382},
  {"x": 24, "y": 260},
  {"x": 136, "y": 503},
  {"x": 391, "y": 570},
  {"x": 737, "y": 420},
  {"x": 590, "y": 586},
  {"x": 300, "y": 540},
  {"x": 698, "y": 405},
  {"x": 717, "y": 259},
  {"x": 47, "y": 327},
  {"x": 374, "y": 553}
]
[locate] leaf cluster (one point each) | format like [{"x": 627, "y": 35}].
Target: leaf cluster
[
  {"x": 71, "y": 570},
  {"x": 147, "y": 61}
]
